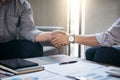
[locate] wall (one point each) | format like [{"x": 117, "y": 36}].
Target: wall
[
  {"x": 100, "y": 14},
  {"x": 50, "y": 12}
]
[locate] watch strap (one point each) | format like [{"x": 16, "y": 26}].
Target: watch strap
[{"x": 73, "y": 36}]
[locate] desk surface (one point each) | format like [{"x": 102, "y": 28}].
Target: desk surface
[
  {"x": 49, "y": 60},
  {"x": 53, "y": 59}
]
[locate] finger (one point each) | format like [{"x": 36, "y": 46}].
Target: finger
[
  {"x": 61, "y": 41},
  {"x": 55, "y": 41},
  {"x": 58, "y": 45},
  {"x": 58, "y": 32},
  {"x": 54, "y": 36}
]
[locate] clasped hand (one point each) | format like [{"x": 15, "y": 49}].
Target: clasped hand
[{"x": 59, "y": 38}]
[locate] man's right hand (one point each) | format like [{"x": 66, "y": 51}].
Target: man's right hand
[{"x": 59, "y": 38}]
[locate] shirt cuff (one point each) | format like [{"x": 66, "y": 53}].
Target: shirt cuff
[
  {"x": 31, "y": 35},
  {"x": 103, "y": 39},
  {"x": 98, "y": 37}
]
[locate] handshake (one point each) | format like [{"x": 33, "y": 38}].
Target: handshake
[{"x": 59, "y": 38}]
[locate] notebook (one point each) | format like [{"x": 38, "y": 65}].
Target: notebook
[{"x": 19, "y": 66}]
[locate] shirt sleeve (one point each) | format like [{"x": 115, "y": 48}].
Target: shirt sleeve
[
  {"x": 111, "y": 36},
  {"x": 27, "y": 27}
]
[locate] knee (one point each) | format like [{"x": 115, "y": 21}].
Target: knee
[
  {"x": 90, "y": 53},
  {"x": 104, "y": 51},
  {"x": 107, "y": 55}
]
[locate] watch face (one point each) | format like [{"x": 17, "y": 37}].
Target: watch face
[{"x": 71, "y": 38}]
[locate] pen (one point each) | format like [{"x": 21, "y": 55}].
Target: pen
[
  {"x": 69, "y": 62},
  {"x": 72, "y": 77},
  {"x": 6, "y": 73}
]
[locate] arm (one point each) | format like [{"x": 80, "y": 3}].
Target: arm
[
  {"x": 43, "y": 36},
  {"x": 89, "y": 40},
  {"x": 27, "y": 26},
  {"x": 109, "y": 38},
  {"x": 62, "y": 39}
]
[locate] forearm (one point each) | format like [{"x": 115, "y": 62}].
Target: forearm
[
  {"x": 88, "y": 40},
  {"x": 43, "y": 36}
]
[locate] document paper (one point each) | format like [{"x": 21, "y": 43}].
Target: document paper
[
  {"x": 68, "y": 69},
  {"x": 42, "y": 75}
]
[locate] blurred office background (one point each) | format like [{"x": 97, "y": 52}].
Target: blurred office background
[{"x": 76, "y": 16}]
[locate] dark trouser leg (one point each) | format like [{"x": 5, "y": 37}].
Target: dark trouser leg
[
  {"x": 108, "y": 55},
  {"x": 90, "y": 53},
  {"x": 20, "y": 49}
]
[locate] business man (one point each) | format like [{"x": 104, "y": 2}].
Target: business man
[
  {"x": 18, "y": 36},
  {"x": 103, "y": 52}
]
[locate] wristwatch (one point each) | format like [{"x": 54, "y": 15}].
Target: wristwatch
[{"x": 71, "y": 38}]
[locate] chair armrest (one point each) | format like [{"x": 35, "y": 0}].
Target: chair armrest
[
  {"x": 46, "y": 43},
  {"x": 49, "y": 28}
]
